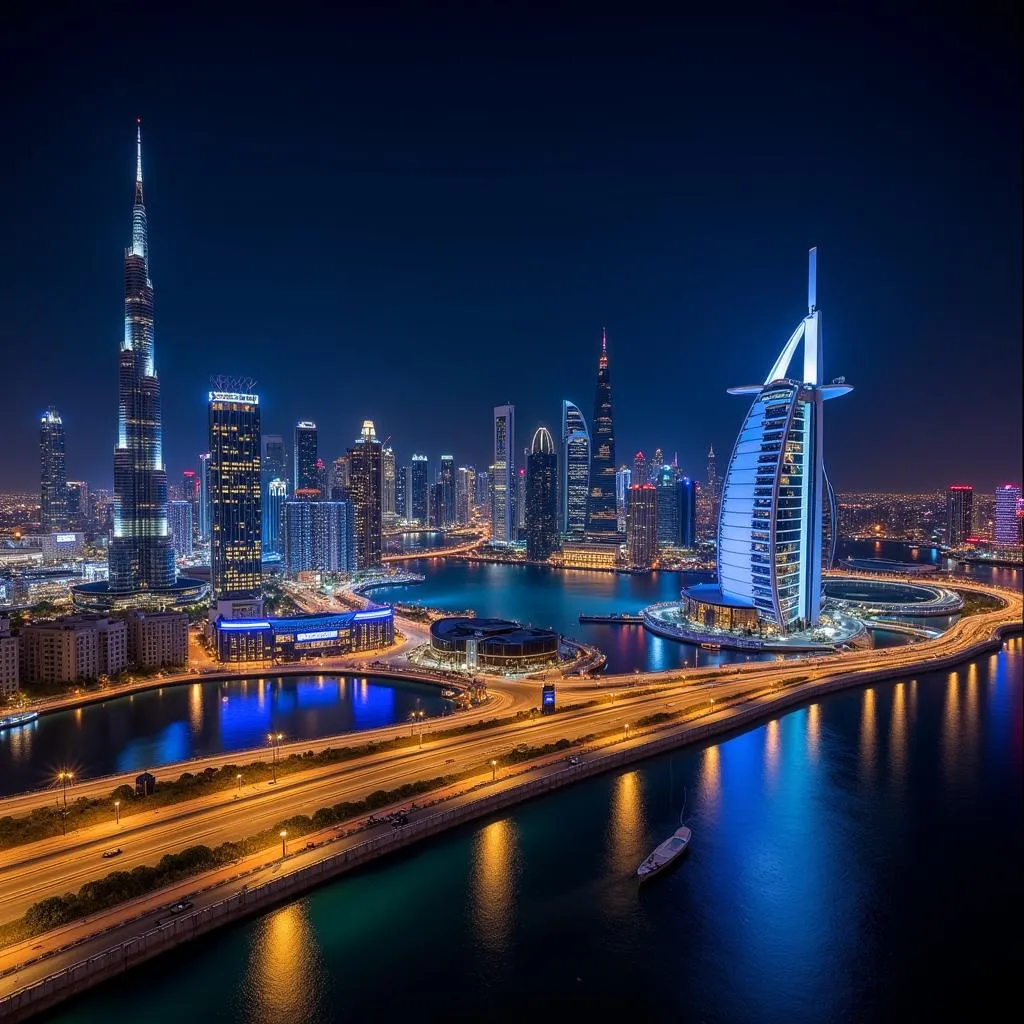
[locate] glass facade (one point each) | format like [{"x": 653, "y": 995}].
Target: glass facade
[
  {"x": 419, "y": 482},
  {"x": 541, "y": 497},
  {"x": 602, "y": 515},
  {"x": 366, "y": 476},
  {"x": 504, "y": 475},
  {"x": 575, "y": 471},
  {"x": 53, "y": 479},
  {"x": 307, "y": 477}
]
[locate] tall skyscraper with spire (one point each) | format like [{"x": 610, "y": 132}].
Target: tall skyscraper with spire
[
  {"x": 53, "y": 480},
  {"x": 602, "y": 517},
  {"x": 141, "y": 553}
]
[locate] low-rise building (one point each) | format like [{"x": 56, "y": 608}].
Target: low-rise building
[
  {"x": 8, "y": 659},
  {"x": 156, "y": 639},
  {"x": 74, "y": 648},
  {"x": 589, "y": 555}
]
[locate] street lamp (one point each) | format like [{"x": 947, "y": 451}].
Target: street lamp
[
  {"x": 117, "y": 812},
  {"x": 65, "y": 778},
  {"x": 238, "y": 781},
  {"x": 494, "y": 770},
  {"x": 284, "y": 840},
  {"x": 274, "y": 739},
  {"x": 627, "y": 730}
]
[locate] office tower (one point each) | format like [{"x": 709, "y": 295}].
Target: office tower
[
  {"x": 180, "y": 514},
  {"x": 190, "y": 493},
  {"x": 274, "y": 496},
  {"x": 53, "y": 480},
  {"x": 204, "y": 496},
  {"x": 519, "y": 512},
  {"x": 1007, "y": 529},
  {"x": 419, "y": 501},
  {"x": 503, "y": 482},
  {"x": 776, "y": 492},
  {"x": 483, "y": 489},
  {"x": 79, "y": 510},
  {"x": 141, "y": 554},
  {"x": 623, "y": 478},
  {"x": 403, "y": 488},
  {"x": 712, "y": 475},
  {"x": 541, "y": 497},
  {"x": 390, "y": 485},
  {"x": 304, "y": 456},
  {"x": 574, "y": 482},
  {"x": 318, "y": 536},
  {"x": 666, "y": 493},
  {"x": 275, "y": 460},
  {"x": 447, "y": 481},
  {"x": 687, "y": 505},
  {"x": 602, "y": 517},
  {"x": 435, "y": 515},
  {"x": 960, "y": 514},
  {"x": 366, "y": 484},
  {"x": 640, "y": 469},
  {"x": 235, "y": 491},
  {"x": 641, "y": 525},
  {"x": 659, "y": 460},
  {"x": 465, "y": 494},
  {"x": 340, "y": 478}
]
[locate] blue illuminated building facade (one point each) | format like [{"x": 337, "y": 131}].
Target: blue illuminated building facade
[
  {"x": 304, "y": 636},
  {"x": 776, "y": 494},
  {"x": 574, "y": 491}
]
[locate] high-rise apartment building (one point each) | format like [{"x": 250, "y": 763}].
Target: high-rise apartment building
[
  {"x": 366, "y": 487},
  {"x": 275, "y": 495},
  {"x": 389, "y": 494},
  {"x": 180, "y": 513},
  {"x": 403, "y": 488},
  {"x": 602, "y": 517},
  {"x": 79, "y": 509},
  {"x": 642, "y": 525},
  {"x": 623, "y": 478},
  {"x": 419, "y": 482},
  {"x": 574, "y": 483},
  {"x": 520, "y": 506},
  {"x": 503, "y": 483},
  {"x": 318, "y": 536},
  {"x": 204, "y": 496},
  {"x": 235, "y": 492},
  {"x": 435, "y": 515},
  {"x": 274, "y": 465},
  {"x": 666, "y": 494},
  {"x": 304, "y": 457},
  {"x": 483, "y": 490},
  {"x": 1007, "y": 526},
  {"x": 687, "y": 502},
  {"x": 541, "y": 500},
  {"x": 190, "y": 493},
  {"x": 465, "y": 494},
  {"x": 447, "y": 481},
  {"x": 52, "y": 474},
  {"x": 959, "y": 514}
]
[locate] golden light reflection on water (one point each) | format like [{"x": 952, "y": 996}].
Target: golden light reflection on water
[
  {"x": 867, "y": 733},
  {"x": 971, "y": 703},
  {"x": 284, "y": 980},
  {"x": 20, "y": 741},
  {"x": 195, "y": 707},
  {"x": 951, "y": 722},
  {"x": 495, "y": 867},
  {"x": 771, "y": 748},
  {"x": 813, "y": 732},
  {"x": 898, "y": 732},
  {"x": 626, "y": 825},
  {"x": 709, "y": 781}
]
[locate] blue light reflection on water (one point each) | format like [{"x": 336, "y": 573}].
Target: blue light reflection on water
[{"x": 856, "y": 859}]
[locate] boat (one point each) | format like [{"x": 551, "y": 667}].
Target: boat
[
  {"x": 19, "y": 718},
  {"x": 711, "y": 647},
  {"x": 666, "y": 854}
]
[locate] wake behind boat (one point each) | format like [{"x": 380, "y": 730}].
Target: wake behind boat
[{"x": 666, "y": 854}]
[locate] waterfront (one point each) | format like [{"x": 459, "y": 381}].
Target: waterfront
[
  {"x": 846, "y": 857},
  {"x": 175, "y": 723}
]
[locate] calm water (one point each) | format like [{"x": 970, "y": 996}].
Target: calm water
[
  {"x": 858, "y": 859},
  {"x": 409, "y": 543},
  {"x": 179, "y": 722}
]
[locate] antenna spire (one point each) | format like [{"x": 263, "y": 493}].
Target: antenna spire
[{"x": 604, "y": 340}]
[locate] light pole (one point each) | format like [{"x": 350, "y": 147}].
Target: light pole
[
  {"x": 494, "y": 770},
  {"x": 65, "y": 778},
  {"x": 238, "y": 781},
  {"x": 274, "y": 739},
  {"x": 284, "y": 840},
  {"x": 627, "y": 730},
  {"x": 117, "y": 812}
]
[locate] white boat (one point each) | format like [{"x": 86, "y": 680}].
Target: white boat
[
  {"x": 666, "y": 854},
  {"x": 18, "y": 718}
]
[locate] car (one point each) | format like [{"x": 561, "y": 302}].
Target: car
[
  {"x": 116, "y": 852},
  {"x": 573, "y": 759},
  {"x": 449, "y": 760},
  {"x": 310, "y": 845},
  {"x": 180, "y": 907}
]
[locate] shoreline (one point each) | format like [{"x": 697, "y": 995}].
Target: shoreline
[{"x": 118, "y": 957}]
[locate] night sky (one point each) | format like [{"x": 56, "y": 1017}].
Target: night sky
[{"x": 414, "y": 218}]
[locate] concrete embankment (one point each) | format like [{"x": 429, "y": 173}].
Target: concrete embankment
[{"x": 120, "y": 956}]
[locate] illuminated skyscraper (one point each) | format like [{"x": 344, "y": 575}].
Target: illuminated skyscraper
[
  {"x": 574, "y": 483},
  {"x": 180, "y": 514},
  {"x": 959, "y": 514},
  {"x": 602, "y": 517},
  {"x": 419, "y": 482},
  {"x": 640, "y": 475},
  {"x": 204, "y": 496},
  {"x": 235, "y": 492},
  {"x": 366, "y": 485},
  {"x": 503, "y": 482},
  {"x": 79, "y": 510},
  {"x": 770, "y": 536},
  {"x": 541, "y": 502},
  {"x": 465, "y": 494},
  {"x": 687, "y": 512},
  {"x": 447, "y": 481},
  {"x": 275, "y": 494},
  {"x": 390, "y": 485},
  {"x": 403, "y": 488},
  {"x": 1007, "y": 529},
  {"x": 53, "y": 478},
  {"x": 304, "y": 456},
  {"x": 275, "y": 459},
  {"x": 318, "y": 536},
  {"x": 667, "y": 501},
  {"x": 623, "y": 478},
  {"x": 141, "y": 555},
  {"x": 642, "y": 525}
]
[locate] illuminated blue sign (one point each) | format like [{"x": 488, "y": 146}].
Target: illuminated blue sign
[
  {"x": 320, "y": 634},
  {"x": 548, "y": 697},
  {"x": 377, "y": 613},
  {"x": 244, "y": 624}
]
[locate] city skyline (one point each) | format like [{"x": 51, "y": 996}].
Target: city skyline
[{"x": 714, "y": 234}]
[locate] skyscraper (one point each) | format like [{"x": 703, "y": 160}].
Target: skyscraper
[
  {"x": 574, "y": 483},
  {"x": 79, "y": 510},
  {"x": 1007, "y": 529},
  {"x": 180, "y": 513},
  {"x": 602, "y": 518},
  {"x": 435, "y": 495},
  {"x": 541, "y": 497},
  {"x": 623, "y": 478},
  {"x": 274, "y": 496},
  {"x": 304, "y": 456},
  {"x": 419, "y": 501},
  {"x": 773, "y": 502},
  {"x": 959, "y": 514},
  {"x": 503, "y": 482},
  {"x": 666, "y": 494},
  {"x": 687, "y": 501},
  {"x": 403, "y": 488},
  {"x": 390, "y": 486},
  {"x": 341, "y": 478},
  {"x": 640, "y": 469},
  {"x": 483, "y": 489},
  {"x": 519, "y": 513},
  {"x": 642, "y": 525},
  {"x": 366, "y": 485},
  {"x": 318, "y": 536},
  {"x": 235, "y": 492},
  {"x": 712, "y": 471},
  {"x": 447, "y": 481},
  {"x": 274, "y": 464},
  {"x": 465, "y": 494},
  {"x": 189, "y": 493},
  {"x": 141, "y": 555},
  {"x": 204, "y": 496},
  {"x": 52, "y": 475}
]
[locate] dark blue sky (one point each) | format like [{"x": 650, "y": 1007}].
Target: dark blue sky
[{"x": 413, "y": 218}]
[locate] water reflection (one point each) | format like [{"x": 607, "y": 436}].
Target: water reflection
[
  {"x": 898, "y": 734},
  {"x": 626, "y": 826},
  {"x": 971, "y": 731},
  {"x": 867, "y": 735},
  {"x": 284, "y": 981},
  {"x": 709, "y": 781},
  {"x": 771, "y": 749},
  {"x": 951, "y": 724},
  {"x": 813, "y": 732},
  {"x": 493, "y": 889},
  {"x": 195, "y": 708}
]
